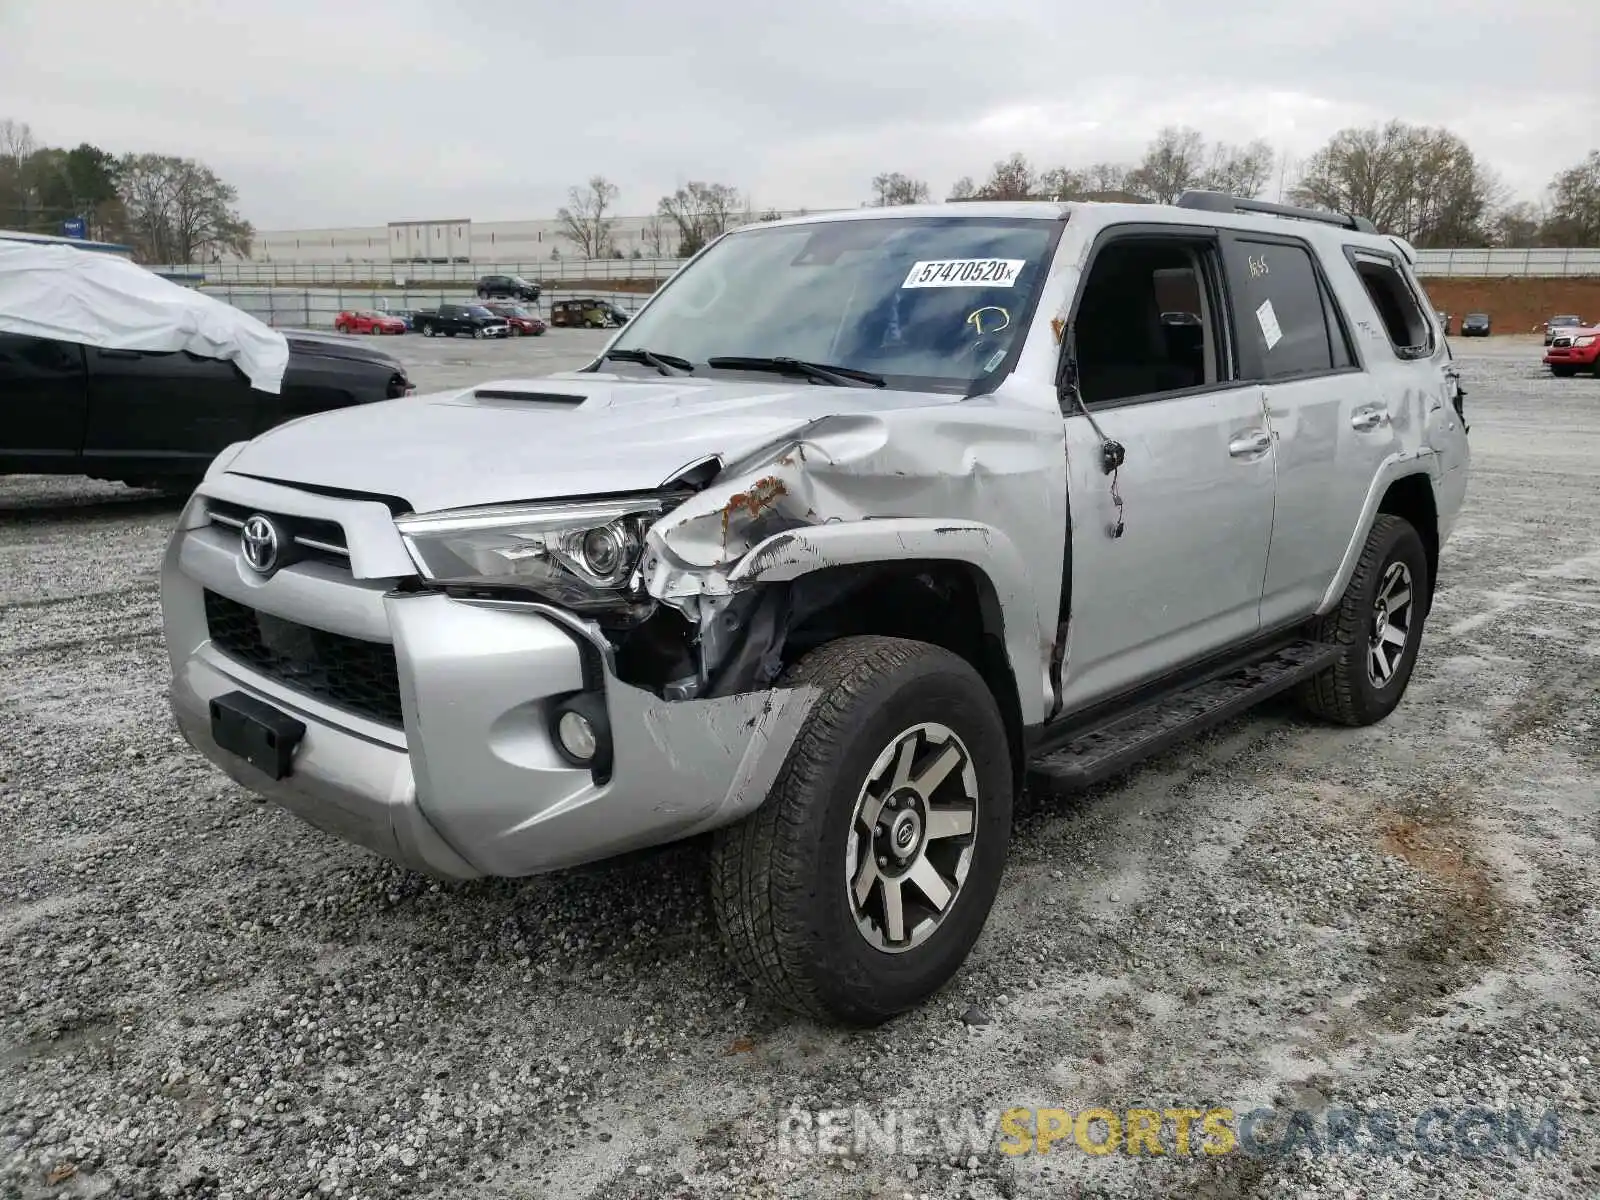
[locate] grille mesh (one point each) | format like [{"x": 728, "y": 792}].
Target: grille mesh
[{"x": 353, "y": 674}]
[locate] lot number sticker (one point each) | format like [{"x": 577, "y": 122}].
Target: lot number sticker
[
  {"x": 965, "y": 272},
  {"x": 1268, "y": 320}
]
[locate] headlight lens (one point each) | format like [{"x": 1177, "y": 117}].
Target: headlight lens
[
  {"x": 580, "y": 555},
  {"x": 1587, "y": 340}
]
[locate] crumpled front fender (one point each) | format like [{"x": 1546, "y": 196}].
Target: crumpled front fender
[{"x": 883, "y": 488}]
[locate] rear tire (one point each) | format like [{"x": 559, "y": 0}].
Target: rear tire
[
  {"x": 427, "y": 330},
  {"x": 782, "y": 879},
  {"x": 1377, "y": 626}
]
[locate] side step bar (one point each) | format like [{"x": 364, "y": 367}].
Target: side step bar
[{"x": 1121, "y": 739}]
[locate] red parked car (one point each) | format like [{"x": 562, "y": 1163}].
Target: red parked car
[
  {"x": 522, "y": 321},
  {"x": 367, "y": 321},
  {"x": 1573, "y": 349}
]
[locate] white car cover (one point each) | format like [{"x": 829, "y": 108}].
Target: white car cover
[{"x": 48, "y": 290}]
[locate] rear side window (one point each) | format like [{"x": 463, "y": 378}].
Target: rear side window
[
  {"x": 1410, "y": 333},
  {"x": 1279, "y": 309}
]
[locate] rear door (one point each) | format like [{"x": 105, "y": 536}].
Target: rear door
[
  {"x": 165, "y": 413},
  {"x": 43, "y": 403},
  {"x": 1331, "y": 426},
  {"x": 1168, "y": 551}
]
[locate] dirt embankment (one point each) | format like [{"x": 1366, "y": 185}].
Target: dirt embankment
[{"x": 1515, "y": 305}]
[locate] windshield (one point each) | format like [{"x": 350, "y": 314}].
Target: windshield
[
  {"x": 479, "y": 310},
  {"x": 926, "y": 302}
]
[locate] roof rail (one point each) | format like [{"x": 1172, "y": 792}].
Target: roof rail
[{"x": 1222, "y": 202}]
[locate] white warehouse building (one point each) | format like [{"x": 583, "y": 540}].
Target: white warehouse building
[{"x": 462, "y": 240}]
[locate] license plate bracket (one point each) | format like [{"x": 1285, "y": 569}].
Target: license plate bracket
[{"x": 258, "y": 733}]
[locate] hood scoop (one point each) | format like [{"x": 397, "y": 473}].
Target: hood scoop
[{"x": 528, "y": 396}]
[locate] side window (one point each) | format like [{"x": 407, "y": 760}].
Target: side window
[
  {"x": 1148, "y": 321},
  {"x": 1278, "y": 308},
  {"x": 1410, "y": 333}
]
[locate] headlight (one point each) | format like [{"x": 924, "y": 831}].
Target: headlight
[
  {"x": 1587, "y": 340},
  {"x": 580, "y": 555}
]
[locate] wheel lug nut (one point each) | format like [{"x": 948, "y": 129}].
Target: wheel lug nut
[{"x": 883, "y": 861}]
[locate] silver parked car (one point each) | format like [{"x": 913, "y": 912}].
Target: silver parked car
[{"x": 861, "y": 521}]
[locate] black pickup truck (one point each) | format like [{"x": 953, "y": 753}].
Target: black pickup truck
[
  {"x": 157, "y": 420},
  {"x": 451, "y": 319}
]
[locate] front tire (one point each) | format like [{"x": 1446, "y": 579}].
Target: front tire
[
  {"x": 859, "y": 887},
  {"x": 1562, "y": 372},
  {"x": 1377, "y": 626}
]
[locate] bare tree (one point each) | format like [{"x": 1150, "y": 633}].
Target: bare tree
[
  {"x": 1059, "y": 183},
  {"x": 1575, "y": 204},
  {"x": 963, "y": 189},
  {"x": 894, "y": 188},
  {"x": 699, "y": 213},
  {"x": 657, "y": 237},
  {"x": 1011, "y": 178},
  {"x": 584, "y": 222},
  {"x": 1240, "y": 170},
  {"x": 1421, "y": 183},
  {"x": 1102, "y": 177},
  {"x": 1174, "y": 162},
  {"x": 16, "y": 143},
  {"x": 1518, "y": 226},
  {"x": 18, "y": 203},
  {"x": 179, "y": 211}
]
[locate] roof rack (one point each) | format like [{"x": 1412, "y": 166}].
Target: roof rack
[{"x": 1222, "y": 202}]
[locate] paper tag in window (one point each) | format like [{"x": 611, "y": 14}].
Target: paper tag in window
[
  {"x": 1268, "y": 320},
  {"x": 964, "y": 272}
]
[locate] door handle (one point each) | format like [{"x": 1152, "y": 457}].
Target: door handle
[
  {"x": 119, "y": 353},
  {"x": 1246, "y": 445},
  {"x": 1366, "y": 419}
]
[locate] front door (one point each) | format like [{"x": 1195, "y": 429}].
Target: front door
[
  {"x": 166, "y": 412},
  {"x": 43, "y": 403},
  {"x": 1168, "y": 551}
]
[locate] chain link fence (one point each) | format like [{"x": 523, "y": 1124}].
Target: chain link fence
[
  {"x": 400, "y": 274},
  {"x": 1544, "y": 263},
  {"x": 315, "y": 308},
  {"x": 1547, "y": 263}
]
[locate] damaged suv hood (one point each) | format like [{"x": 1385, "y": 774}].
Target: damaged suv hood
[{"x": 534, "y": 439}]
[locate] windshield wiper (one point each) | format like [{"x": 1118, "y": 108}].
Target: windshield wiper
[
  {"x": 816, "y": 372},
  {"x": 666, "y": 364}
]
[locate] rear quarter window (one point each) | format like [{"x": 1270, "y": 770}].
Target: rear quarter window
[{"x": 1280, "y": 310}]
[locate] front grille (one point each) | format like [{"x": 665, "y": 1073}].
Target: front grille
[
  {"x": 314, "y": 537},
  {"x": 352, "y": 674},
  {"x": 1561, "y": 343}
]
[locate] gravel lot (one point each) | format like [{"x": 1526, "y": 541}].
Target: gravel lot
[{"x": 201, "y": 996}]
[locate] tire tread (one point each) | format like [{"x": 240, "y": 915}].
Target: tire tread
[
  {"x": 750, "y": 874},
  {"x": 1332, "y": 694}
]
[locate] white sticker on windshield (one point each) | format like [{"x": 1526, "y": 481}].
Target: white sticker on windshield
[
  {"x": 1268, "y": 320},
  {"x": 965, "y": 272}
]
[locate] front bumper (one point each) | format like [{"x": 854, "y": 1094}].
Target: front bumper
[
  {"x": 469, "y": 782},
  {"x": 1572, "y": 356}
]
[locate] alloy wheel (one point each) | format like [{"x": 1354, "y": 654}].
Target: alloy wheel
[
  {"x": 911, "y": 838},
  {"x": 1391, "y": 624}
]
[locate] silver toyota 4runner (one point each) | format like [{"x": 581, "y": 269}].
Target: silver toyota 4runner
[{"x": 864, "y": 519}]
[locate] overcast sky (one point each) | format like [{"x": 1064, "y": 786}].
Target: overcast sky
[{"x": 359, "y": 112}]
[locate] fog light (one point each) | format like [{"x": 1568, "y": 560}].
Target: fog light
[{"x": 577, "y": 736}]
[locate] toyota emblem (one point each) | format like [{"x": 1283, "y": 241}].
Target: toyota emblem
[{"x": 258, "y": 542}]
